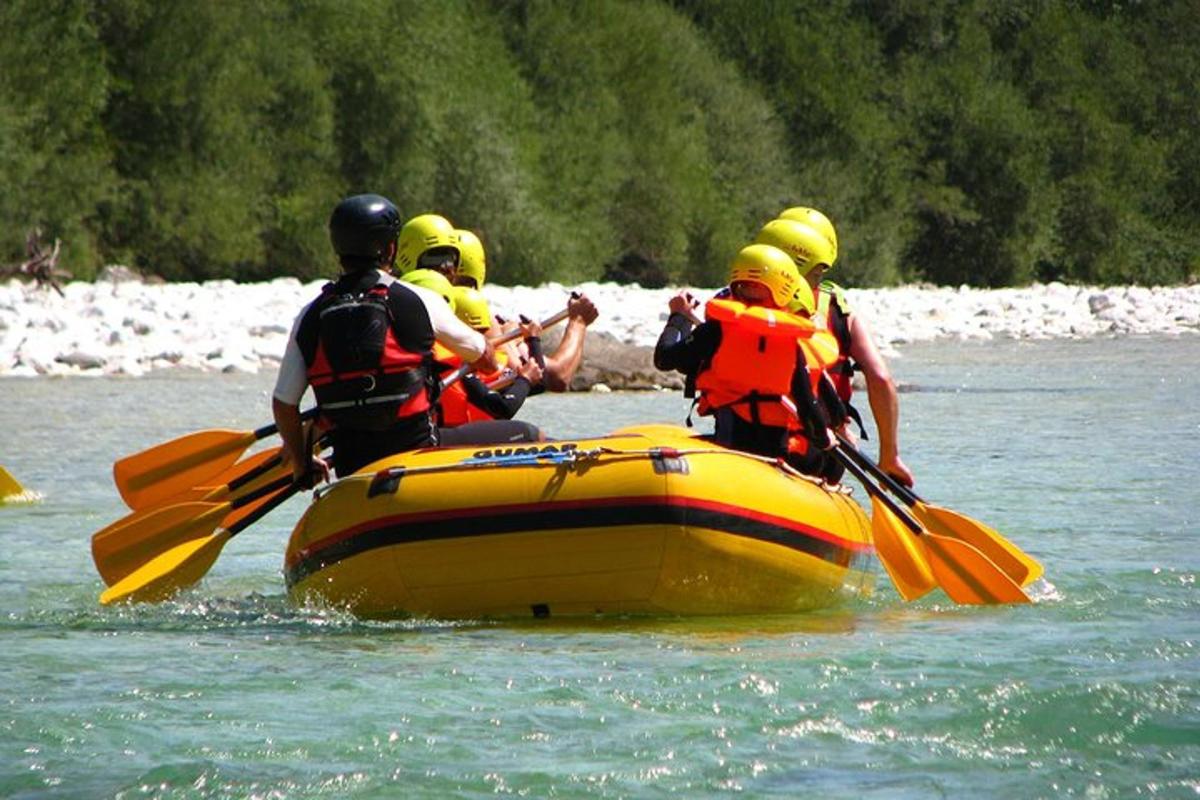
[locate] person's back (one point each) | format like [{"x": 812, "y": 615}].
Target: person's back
[
  {"x": 746, "y": 360},
  {"x": 365, "y": 346},
  {"x": 472, "y": 399}
]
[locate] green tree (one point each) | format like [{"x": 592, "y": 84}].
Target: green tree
[
  {"x": 821, "y": 67},
  {"x": 55, "y": 160},
  {"x": 984, "y": 199},
  {"x": 952, "y": 141},
  {"x": 222, "y": 128},
  {"x": 662, "y": 154}
]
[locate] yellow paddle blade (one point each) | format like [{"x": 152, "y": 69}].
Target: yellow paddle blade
[
  {"x": 1018, "y": 565},
  {"x": 9, "y": 485},
  {"x": 219, "y": 491},
  {"x": 169, "y": 572},
  {"x": 11, "y": 491},
  {"x": 967, "y": 575},
  {"x": 900, "y": 553},
  {"x": 152, "y": 476},
  {"x": 121, "y": 549}
]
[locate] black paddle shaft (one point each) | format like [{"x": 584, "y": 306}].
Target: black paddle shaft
[
  {"x": 261, "y": 492},
  {"x": 848, "y": 461},
  {"x": 267, "y": 507},
  {"x": 907, "y": 495},
  {"x": 268, "y": 430}
]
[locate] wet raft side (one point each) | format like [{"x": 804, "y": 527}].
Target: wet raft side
[{"x": 650, "y": 520}]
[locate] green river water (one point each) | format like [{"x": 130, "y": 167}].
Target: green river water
[{"x": 1084, "y": 452}]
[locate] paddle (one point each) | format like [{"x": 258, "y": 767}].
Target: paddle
[
  {"x": 11, "y": 490},
  {"x": 964, "y": 574},
  {"x": 121, "y": 549},
  {"x": 1018, "y": 565},
  {"x": 189, "y": 560},
  {"x": 512, "y": 335},
  {"x": 240, "y": 476},
  {"x": 110, "y": 543},
  {"x": 9, "y": 484},
  {"x": 148, "y": 478}
]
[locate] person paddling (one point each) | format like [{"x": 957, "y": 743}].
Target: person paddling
[
  {"x": 472, "y": 263},
  {"x": 857, "y": 348},
  {"x": 365, "y": 346},
  {"x": 428, "y": 241},
  {"x": 469, "y": 411},
  {"x": 470, "y": 270},
  {"x": 752, "y": 362}
]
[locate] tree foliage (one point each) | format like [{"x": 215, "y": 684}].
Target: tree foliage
[{"x": 954, "y": 141}]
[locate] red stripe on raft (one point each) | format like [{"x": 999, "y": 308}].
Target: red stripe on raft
[{"x": 570, "y": 505}]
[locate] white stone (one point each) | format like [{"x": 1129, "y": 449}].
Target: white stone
[{"x": 130, "y": 326}]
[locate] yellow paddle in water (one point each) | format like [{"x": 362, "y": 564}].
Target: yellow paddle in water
[
  {"x": 154, "y": 475},
  {"x": 138, "y": 537},
  {"x": 900, "y": 553},
  {"x": 11, "y": 491},
  {"x": 188, "y": 560},
  {"x": 123, "y": 550},
  {"x": 239, "y": 477},
  {"x": 1017, "y": 564},
  {"x": 963, "y": 573}
]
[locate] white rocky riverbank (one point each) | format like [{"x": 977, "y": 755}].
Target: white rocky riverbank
[{"x": 127, "y": 327}]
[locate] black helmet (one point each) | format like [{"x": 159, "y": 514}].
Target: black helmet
[{"x": 361, "y": 228}]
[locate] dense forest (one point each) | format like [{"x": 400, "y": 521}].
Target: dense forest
[{"x": 979, "y": 142}]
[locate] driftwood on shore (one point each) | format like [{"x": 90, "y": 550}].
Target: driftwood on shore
[{"x": 40, "y": 264}]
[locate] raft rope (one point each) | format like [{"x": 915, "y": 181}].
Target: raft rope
[{"x": 385, "y": 480}]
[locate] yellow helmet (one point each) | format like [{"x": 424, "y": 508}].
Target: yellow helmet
[
  {"x": 472, "y": 264},
  {"x": 817, "y": 221},
  {"x": 420, "y": 234},
  {"x": 472, "y": 308},
  {"x": 802, "y": 242},
  {"x": 804, "y": 301},
  {"x": 434, "y": 281},
  {"x": 770, "y": 267}
]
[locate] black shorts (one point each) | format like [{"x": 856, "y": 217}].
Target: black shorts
[
  {"x": 353, "y": 450},
  {"x": 493, "y": 431}
]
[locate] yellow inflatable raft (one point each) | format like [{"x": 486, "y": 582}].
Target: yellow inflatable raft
[{"x": 647, "y": 520}]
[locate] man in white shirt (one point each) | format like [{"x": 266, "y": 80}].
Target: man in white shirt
[{"x": 364, "y": 345}]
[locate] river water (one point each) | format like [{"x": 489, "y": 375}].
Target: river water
[{"x": 1083, "y": 452}]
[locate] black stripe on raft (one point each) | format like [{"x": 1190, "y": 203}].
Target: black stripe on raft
[{"x": 605, "y": 513}]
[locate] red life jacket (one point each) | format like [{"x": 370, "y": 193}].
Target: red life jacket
[
  {"x": 752, "y": 368},
  {"x": 363, "y": 378}
]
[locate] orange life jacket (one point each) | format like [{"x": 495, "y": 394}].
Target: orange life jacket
[
  {"x": 454, "y": 406},
  {"x": 752, "y": 368}
]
